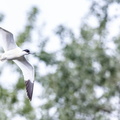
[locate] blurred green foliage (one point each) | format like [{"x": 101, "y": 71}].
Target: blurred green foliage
[
  {"x": 26, "y": 34},
  {"x": 85, "y": 83}
]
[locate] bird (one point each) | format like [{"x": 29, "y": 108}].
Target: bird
[{"x": 17, "y": 55}]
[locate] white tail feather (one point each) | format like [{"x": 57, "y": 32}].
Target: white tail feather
[{"x": 1, "y": 58}]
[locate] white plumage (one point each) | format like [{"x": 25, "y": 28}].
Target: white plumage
[{"x": 13, "y": 52}]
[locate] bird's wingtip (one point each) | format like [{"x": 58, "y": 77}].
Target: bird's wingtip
[{"x": 29, "y": 89}]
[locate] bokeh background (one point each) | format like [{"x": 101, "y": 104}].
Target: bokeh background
[{"x": 76, "y": 60}]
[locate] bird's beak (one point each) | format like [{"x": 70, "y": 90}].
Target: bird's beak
[{"x": 32, "y": 53}]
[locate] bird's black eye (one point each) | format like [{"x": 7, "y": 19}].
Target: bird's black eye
[{"x": 26, "y": 50}]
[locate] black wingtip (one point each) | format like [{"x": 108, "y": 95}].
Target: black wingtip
[{"x": 29, "y": 89}]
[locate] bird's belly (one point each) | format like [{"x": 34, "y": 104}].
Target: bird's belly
[{"x": 10, "y": 55}]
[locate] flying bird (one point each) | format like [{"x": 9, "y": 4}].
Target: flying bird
[{"x": 16, "y": 54}]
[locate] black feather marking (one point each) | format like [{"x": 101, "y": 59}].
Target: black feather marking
[{"x": 29, "y": 88}]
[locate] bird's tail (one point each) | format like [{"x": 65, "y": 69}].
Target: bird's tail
[{"x": 1, "y": 58}]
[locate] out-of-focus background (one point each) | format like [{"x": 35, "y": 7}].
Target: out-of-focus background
[{"x": 76, "y": 60}]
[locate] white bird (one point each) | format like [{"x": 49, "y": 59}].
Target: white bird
[{"x": 13, "y": 52}]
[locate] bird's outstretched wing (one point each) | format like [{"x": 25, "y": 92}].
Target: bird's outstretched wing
[
  {"x": 6, "y": 40},
  {"x": 28, "y": 72}
]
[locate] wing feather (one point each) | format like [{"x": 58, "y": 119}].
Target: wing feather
[
  {"x": 7, "y": 40},
  {"x": 28, "y": 73},
  {"x": 29, "y": 88}
]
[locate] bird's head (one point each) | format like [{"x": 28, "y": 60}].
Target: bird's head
[{"x": 26, "y": 51}]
